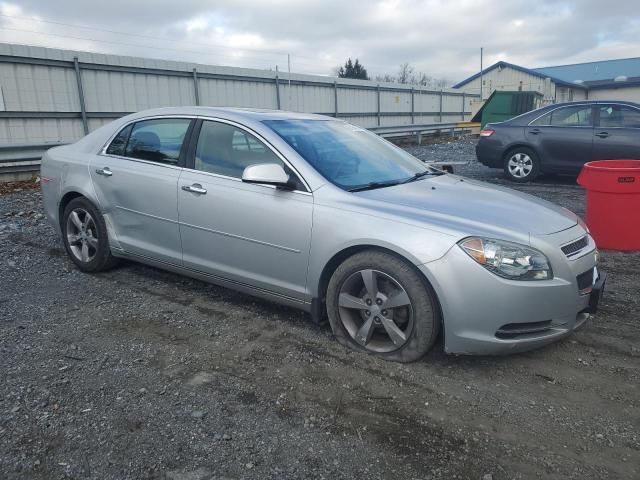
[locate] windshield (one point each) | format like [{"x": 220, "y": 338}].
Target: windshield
[{"x": 348, "y": 156}]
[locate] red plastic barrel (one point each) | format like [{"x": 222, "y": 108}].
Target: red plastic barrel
[{"x": 613, "y": 203}]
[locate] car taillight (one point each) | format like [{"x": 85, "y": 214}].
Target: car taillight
[{"x": 487, "y": 132}]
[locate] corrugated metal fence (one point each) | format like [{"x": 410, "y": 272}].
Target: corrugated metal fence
[{"x": 52, "y": 95}]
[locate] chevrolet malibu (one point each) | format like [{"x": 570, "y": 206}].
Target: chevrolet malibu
[{"x": 325, "y": 216}]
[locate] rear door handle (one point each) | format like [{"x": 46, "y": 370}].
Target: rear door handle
[
  {"x": 195, "y": 188},
  {"x": 104, "y": 171},
  {"x": 535, "y": 131},
  {"x": 602, "y": 134}
]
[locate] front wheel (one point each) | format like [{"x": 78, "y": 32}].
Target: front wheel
[
  {"x": 378, "y": 303},
  {"x": 521, "y": 165}
]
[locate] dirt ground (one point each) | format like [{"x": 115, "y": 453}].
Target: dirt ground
[{"x": 137, "y": 373}]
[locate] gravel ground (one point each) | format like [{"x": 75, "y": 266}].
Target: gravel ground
[{"x": 138, "y": 373}]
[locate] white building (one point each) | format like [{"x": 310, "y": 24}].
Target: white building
[{"x": 608, "y": 79}]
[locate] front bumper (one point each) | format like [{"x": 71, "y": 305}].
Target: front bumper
[{"x": 484, "y": 314}]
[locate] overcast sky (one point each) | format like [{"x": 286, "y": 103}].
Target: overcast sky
[{"x": 440, "y": 38}]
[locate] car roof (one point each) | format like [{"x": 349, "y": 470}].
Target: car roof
[
  {"x": 527, "y": 116},
  {"x": 591, "y": 102},
  {"x": 233, "y": 113}
]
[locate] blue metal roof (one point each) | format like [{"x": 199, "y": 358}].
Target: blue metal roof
[
  {"x": 567, "y": 74},
  {"x": 593, "y": 71}
]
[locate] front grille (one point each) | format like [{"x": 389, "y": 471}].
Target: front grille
[
  {"x": 513, "y": 330},
  {"x": 585, "y": 280},
  {"x": 575, "y": 247}
]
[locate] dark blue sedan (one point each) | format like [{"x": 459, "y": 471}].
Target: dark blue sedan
[{"x": 561, "y": 138}]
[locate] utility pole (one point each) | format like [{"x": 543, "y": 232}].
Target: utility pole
[
  {"x": 289, "y": 68},
  {"x": 481, "y": 51}
]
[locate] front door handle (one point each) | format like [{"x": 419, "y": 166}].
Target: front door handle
[
  {"x": 602, "y": 134},
  {"x": 104, "y": 171},
  {"x": 195, "y": 188}
]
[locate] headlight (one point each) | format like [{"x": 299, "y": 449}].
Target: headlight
[{"x": 508, "y": 260}]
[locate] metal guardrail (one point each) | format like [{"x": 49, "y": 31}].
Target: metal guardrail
[
  {"x": 25, "y": 158},
  {"x": 22, "y": 158},
  {"x": 426, "y": 129},
  {"x": 416, "y": 130}
]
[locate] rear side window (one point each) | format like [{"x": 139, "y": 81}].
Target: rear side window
[
  {"x": 619, "y": 116},
  {"x": 119, "y": 143},
  {"x": 579, "y": 116},
  {"x": 157, "y": 140}
]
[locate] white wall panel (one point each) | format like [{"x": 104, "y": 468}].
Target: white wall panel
[
  {"x": 351, "y": 100},
  {"x": 131, "y": 92},
  {"x": 395, "y": 101},
  {"x": 427, "y": 102},
  {"x": 53, "y": 88},
  {"x": 38, "y": 88},
  {"x": 39, "y": 130},
  {"x": 219, "y": 93},
  {"x": 629, "y": 94}
]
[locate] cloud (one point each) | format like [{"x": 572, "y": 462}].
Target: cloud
[{"x": 440, "y": 38}]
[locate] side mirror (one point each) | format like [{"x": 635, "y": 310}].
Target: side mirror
[{"x": 266, "y": 174}]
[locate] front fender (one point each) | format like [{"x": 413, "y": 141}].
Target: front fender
[{"x": 335, "y": 231}]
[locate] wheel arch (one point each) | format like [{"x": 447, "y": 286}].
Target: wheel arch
[
  {"x": 65, "y": 200},
  {"x": 74, "y": 193},
  {"x": 318, "y": 307},
  {"x": 515, "y": 146}
]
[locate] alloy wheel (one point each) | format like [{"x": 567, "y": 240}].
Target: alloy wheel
[
  {"x": 82, "y": 235},
  {"x": 376, "y": 311},
  {"x": 520, "y": 165}
]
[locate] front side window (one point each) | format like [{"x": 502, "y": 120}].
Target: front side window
[
  {"x": 227, "y": 150},
  {"x": 579, "y": 116},
  {"x": 619, "y": 116},
  {"x": 158, "y": 140},
  {"x": 348, "y": 156}
]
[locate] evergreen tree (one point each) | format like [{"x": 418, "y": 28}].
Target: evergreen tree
[{"x": 353, "y": 70}]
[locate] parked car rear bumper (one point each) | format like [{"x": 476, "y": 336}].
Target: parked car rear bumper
[{"x": 489, "y": 153}]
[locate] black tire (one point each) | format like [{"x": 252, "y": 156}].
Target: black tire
[
  {"x": 426, "y": 320},
  {"x": 100, "y": 258},
  {"x": 526, "y": 155}
]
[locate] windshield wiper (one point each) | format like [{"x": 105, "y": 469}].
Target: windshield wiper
[
  {"x": 372, "y": 185},
  {"x": 419, "y": 175}
]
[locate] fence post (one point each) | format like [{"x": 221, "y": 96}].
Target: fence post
[
  {"x": 277, "y": 92},
  {"x": 335, "y": 98},
  {"x": 83, "y": 109},
  {"x": 196, "y": 91},
  {"x": 378, "y": 113},
  {"x": 464, "y": 105},
  {"x": 440, "y": 106},
  {"x": 413, "y": 108}
]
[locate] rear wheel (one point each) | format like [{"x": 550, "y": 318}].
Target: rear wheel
[
  {"x": 377, "y": 303},
  {"x": 521, "y": 165},
  {"x": 84, "y": 234}
]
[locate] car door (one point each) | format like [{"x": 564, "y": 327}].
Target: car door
[
  {"x": 256, "y": 235},
  {"x": 617, "y": 135},
  {"x": 563, "y": 138},
  {"x": 136, "y": 182}
]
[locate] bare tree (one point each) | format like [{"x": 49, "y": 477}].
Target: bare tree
[
  {"x": 405, "y": 73},
  {"x": 387, "y": 77},
  {"x": 408, "y": 75}
]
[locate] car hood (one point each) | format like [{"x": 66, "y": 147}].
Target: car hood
[{"x": 449, "y": 199}]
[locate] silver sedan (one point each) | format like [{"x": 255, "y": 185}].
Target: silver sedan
[{"x": 325, "y": 216}]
